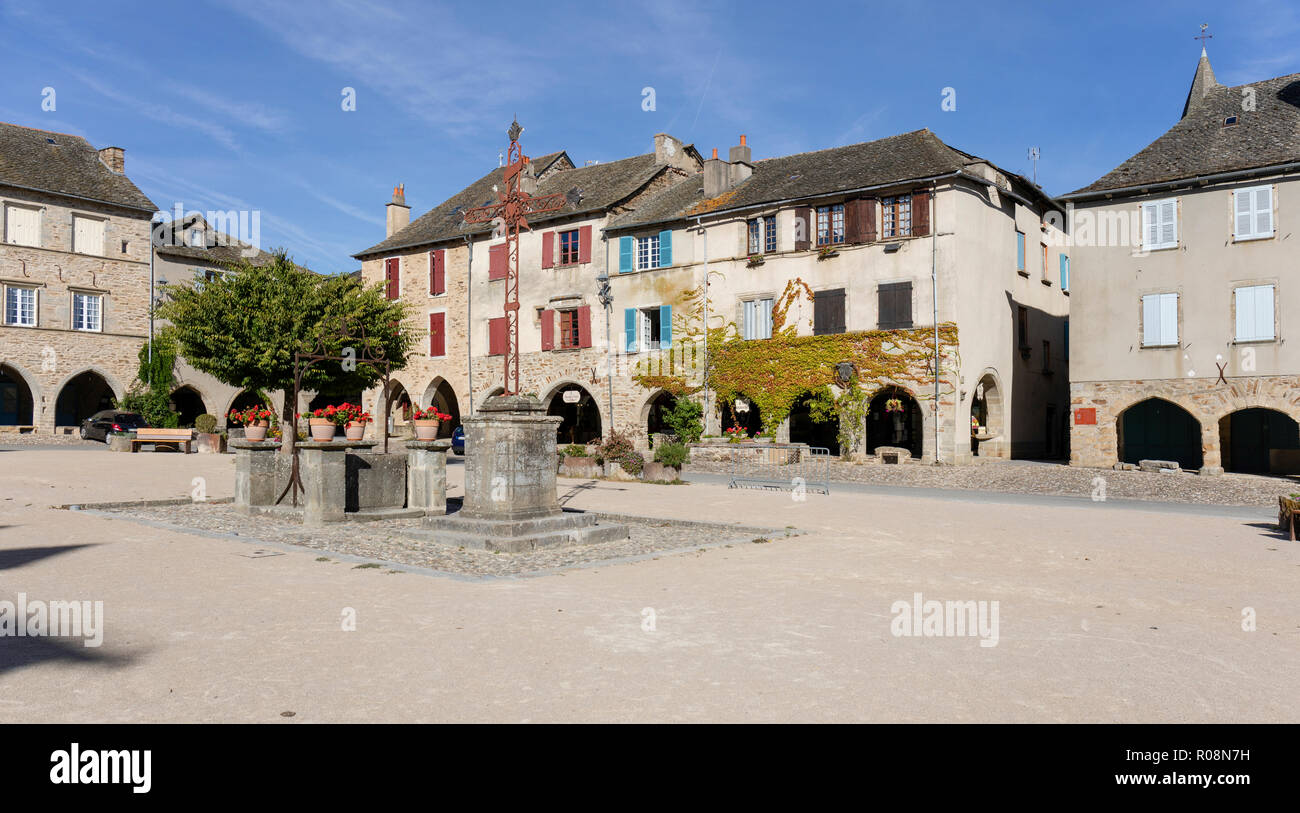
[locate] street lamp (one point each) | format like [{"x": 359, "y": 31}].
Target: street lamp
[{"x": 606, "y": 296}]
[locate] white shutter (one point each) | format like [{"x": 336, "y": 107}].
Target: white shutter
[
  {"x": 23, "y": 226},
  {"x": 1254, "y": 313},
  {"x": 1264, "y": 211},
  {"x": 1245, "y": 314},
  {"x": 87, "y": 235},
  {"x": 1264, "y": 312},
  {"x": 1169, "y": 319},
  {"x": 1244, "y": 213},
  {"x": 765, "y": 306},
  {"x": 1169, "y": 222},
  {"x": 749, "y": 320},
  {"x": 1151, "y": 320},
  {"x": 1149, "y": 231}
]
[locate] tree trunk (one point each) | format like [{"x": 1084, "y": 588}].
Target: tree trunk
[{"x": 288, "y": 433}]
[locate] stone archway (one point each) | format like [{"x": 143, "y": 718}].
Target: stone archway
[
  {"x": 654, "y": 411},
  {"x": 188, "y": 404},
  {"x": 804, "y": 428},
  {"x": 1258, "y": 440},
  {"x": 442, "y": 396},
  {"x": 81, "y": 396},
  {"x": 1156, "y": 429},
  {"x": 17, "y": 401},
  {"x": 894, "y": 418},
  {"x": 988, "y": 417},
  {"x": 580, "y": 413},
  {"x": 741, "y": 412}
]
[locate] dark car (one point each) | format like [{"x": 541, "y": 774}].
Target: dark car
[
  {"x": 97, "y": 426},
  {"x": 458, "y": 440}
]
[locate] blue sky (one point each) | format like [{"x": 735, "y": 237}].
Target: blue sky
[{"x": 237, "y": 105}]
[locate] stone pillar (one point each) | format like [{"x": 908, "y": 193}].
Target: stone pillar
[
  {"x": 255, "y": 481},
  {"x": 323, "y": 468},
  {"x": 510, "y": 460},
  {"x": 426, "y": 475},
  {"x": 1211, "y": 450}
]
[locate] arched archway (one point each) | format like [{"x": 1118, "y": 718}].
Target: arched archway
[
  {"x": 247, "y": 398},
  {"x": 656, "y": 407},
  {"x": 81, "y": 396},
  {"x": 441, "y": 396},
  {"x": 321, "y": 400},
  {"x": 1259, "y": 440},
  {"x": 188, "y": 404},
  {"x": 580, "y": 412},
  {"x": 813, "y": 430},
  {"x": 986, "y": 411},
  {"x": 741, "y": 412},
  {"x": 492, "y": 393},
  {"x": 894, "y": 419},
  {"x": 16, "y": 401},
  {"x": 1156, "y": 429}
]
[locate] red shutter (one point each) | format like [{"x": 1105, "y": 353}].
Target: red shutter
[
  {"x": 803, "y": 228},
  {"x": 869, "y": 219},
  {"x": 497, "y": 336},
  {"x": 438, "y": 272},
  {"x": 584, "y": 244},
  {"x": 497, "y": 259},
  {"x": 920, "y": 213},
  {"x": 548, "y": 249},
  {"x": 548, "y": 330},
  {"x": 392, "y": 272},
  {"x": 584, "y": 322},
  {"x": 437, "y": 334}
]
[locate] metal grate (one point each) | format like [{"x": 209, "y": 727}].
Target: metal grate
[{"x": 781, "y": 466}]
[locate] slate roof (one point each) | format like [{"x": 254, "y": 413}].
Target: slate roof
[
  {"x": 1200, "y": 144},
  {"x": 900, "y": 158},
  {"x": 602, "y": 185},
  {"x": 220, "y": 248},
  {"x": 68, "y": 165}
]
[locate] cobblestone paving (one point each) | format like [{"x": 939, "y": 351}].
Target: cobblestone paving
[
  {"x": 383, "y": 540},
  {"x": 44, "y": 439},
  {"x": 1024, "y": 477}
]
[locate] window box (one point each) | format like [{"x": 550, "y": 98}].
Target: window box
[{"x": 755, "y": 262}]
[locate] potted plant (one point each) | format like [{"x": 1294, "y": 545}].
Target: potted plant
[
  {"x": 323, "y": 423},
  {"x": 353, "y": 419},
  {"x": 577, "y": 461},
  {"x": 894, "y": 405},
  {"x": 256, "y": 421},
  {"x": 426, "y": 422},
  {"x": 668, "y": 462},
  {"x": 735, "y": 434},
  {"x": 206, "y": 438}
]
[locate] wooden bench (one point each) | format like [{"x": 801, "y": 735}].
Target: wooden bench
[
  {"x": 1286, "y": 514},
  {"x": 178, "y": 437}
]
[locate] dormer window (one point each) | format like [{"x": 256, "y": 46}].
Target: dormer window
[
  {"x": 196, "y": 238},
  {"x": 1229, "y": 121}
]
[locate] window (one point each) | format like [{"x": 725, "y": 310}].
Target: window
[
  {"x": 647, "y": 252},
  {"x": 1065, "y": 273},
  {"x": 754, "y": 236},
  {"x": 1160, "y": 224},
  {"x": 23, "y": 226},
  {"x": 1254, "y": 307},
  {"x": 86, "y": 310},
  {"x": 1047, "y": 356},
  {"x": 762, "y": 234},
  {"x": 568, "y": 329},
  {"x": 650, "y": 329},
  {"x": 1022, "y": 327},
  {"x": 828, "y": 312},
  {"x": 830, "y": 224},
  {"x": 438, "y": 333},
  {"x": 1020, "y": 251},
  {"x": 392, "y": 277},
  {"x": 769, "y": 233},
  {"x": 20, "y": 306},
  {"x": 896, "y": 216},
  {"x": 1045, "y": 276},
  {"x": 1160, "y": 320},
  {"x": 758, "y": 319},
  {"x": 569, "y": 247},
  {"x": 196, "y": 238},
  {"x": 87, "y": 235},
  {"x": 1253, "y": 210},
  {"x": 895, "y": 311}
]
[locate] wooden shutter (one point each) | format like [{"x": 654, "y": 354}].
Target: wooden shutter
[
  {"x": 921, "y": 213},
  {"x": 665, "y": 248},
  {"x": 630, "y": 328},
  {"x": 895, "y": 305},
  {"x": 548, "y": 330},
  {"x": 497, "y": 336},
  {"x": 828, "y": 312},
  {"x": 437, "y": 334},
  {"x": 438, "y": 272},
  {"x": 855, "y": 225},
  {"x": 665, "y": 327},
  {"x": 625, "y": 248},
  {"x": 392, "y": 269},
  {"x": 584, "y": 245},
  {"x": 584, "y": 326},
  {"x": 803, "y": 227},
  {"x": 548, "y": 249},
  {"x": 497, "y": 259}
]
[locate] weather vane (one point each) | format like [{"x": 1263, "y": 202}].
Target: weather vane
[{"x": 1204, "y": 36}]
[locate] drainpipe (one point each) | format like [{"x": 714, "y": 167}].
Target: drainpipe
[
  {"x": 609, "y": 347},
  {"x": 934, "y": 295},
  {"x": 469, "y": 324},
  {"x": 151, "y": 278},
  {"x": 705, "y": 234}
]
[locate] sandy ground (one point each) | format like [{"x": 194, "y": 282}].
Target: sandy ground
[{"x": 1106, "y": 614}]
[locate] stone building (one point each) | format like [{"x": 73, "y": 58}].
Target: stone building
[
  {"x": 867, "y": 227},
  {"x": 1185, "y": 274},
  {"x": 74, "y": 278}
]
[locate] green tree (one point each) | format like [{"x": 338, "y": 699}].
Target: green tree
[
  {"x": 244, "y": 327},
  {"x": 685, "y": 418}
]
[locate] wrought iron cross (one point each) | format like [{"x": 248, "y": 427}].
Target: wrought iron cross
[
  {"x": 1204, "y": 36},
  {"x": 513, "y": 210}
]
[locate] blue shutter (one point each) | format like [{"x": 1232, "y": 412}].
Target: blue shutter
[
  {"x": 1065, "y": 273},
  {"x": 665, "y": 327},
  {"x": 1020, "y": 251},
  {"x": 665, "y": 249},
  {"x": 629, "y": 329},
  {"x": 624, "y": 254}
]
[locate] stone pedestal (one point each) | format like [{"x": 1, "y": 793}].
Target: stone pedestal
[
  {"x": 510, "y": 501},
  {"x": 323, "y": 469},
  {"x": 426, "y": 475},
  {"x": 255, "y": 480}
]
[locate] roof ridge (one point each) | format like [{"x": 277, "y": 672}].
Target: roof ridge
[
  {"x": 854, "y": 144},
  {"x": 53, "y": 132}
]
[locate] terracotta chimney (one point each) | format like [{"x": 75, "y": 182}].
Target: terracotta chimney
[
  {"x": 398, "y": 213},
  {"x": 742, "y": 165}
]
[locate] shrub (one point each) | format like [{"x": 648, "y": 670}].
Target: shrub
[
  {"x": 672, "y": 454},
  {"x": 685, "y": 419},
  {"x": 618, "y": 448},
  {"x": 205, "y": 424},
  {"x": 575, "y": 450},
  {"x": 154, "y": 407},
  {"x": 632, "y": 463}
]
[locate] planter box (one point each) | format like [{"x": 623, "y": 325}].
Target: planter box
[
  {"x": 119, "y": 443},
  {"x": 585, "y": 467},
  {"x": 658, "y": 471},
  {"x": 209, "y": 443}
]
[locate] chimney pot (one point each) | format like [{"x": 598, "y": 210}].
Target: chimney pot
[
  {"x": 742, "y": 139},
  {"x": 715, "y": 152},
  {"x": 397, "y": 215}
]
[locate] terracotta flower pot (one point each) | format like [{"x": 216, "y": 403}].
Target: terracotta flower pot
[
  {"x": 426, "y": 429},
  {"x": 322, "y": 429},
  {"x": 355, "y": 431},
  {"x": 255, "y": 431}
]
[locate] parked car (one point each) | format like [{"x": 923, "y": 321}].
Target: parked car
[
  {"x": 458, "y": 440},
  {"x": 97, "y": 426}
]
